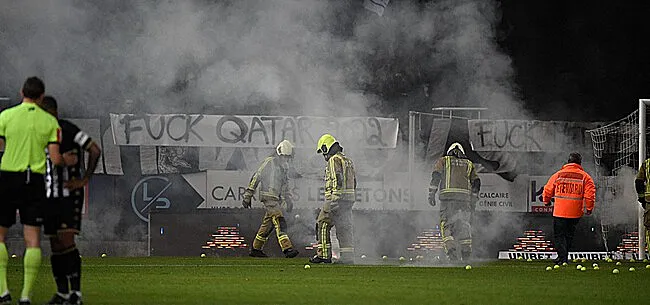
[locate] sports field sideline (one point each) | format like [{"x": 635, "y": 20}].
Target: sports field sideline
[{"x": 189, "y": 280}]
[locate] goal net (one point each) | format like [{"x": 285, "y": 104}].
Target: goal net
[{"x": 617, "y": 151}]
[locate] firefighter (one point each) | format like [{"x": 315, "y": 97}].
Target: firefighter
[
  {"x": 274, "y": 194},
  {"x": 573, "y": 191},
  {"x": 642, "y": 184},
  {"x": 340, "y": 186},
  {"x": 455, "y": 180}
]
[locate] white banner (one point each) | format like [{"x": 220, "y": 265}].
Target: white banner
[
  {"x": 226, "y": 189},
  {"x": 572, "y": 255},
  {"x": 250, "y": 131},
  {"x": 499, "y": 195},
  {"x": 527, "y": 136}
]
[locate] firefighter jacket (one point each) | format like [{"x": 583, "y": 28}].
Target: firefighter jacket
[
  {"x": 272, "y": 178},
  {"x": 455, "y": 179},
  {"x": 340, "y": 179},
  {"x": 641, "y": 181},
  {"x": 573, "y": 189}
]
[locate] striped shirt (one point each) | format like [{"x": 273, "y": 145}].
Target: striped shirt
[{"x": 73, "y": 140}]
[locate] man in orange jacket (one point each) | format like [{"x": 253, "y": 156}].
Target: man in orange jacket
[{"x": 573, "y": 190}]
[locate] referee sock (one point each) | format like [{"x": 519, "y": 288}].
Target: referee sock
[
  {"x": 4, "y": 260},
  {"x": 59, "y": 272},
  {"x": 32, "y": 263}
]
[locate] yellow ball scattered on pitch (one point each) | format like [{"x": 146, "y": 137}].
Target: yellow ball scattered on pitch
[
  {"x": 609, "y": 260},
  {"x": 363, "y": 256},
  {"x": 104, "y": 255},
  {"x": 307, "y": 266},
  {"x": 596, "y": 268},
  {"x": 575, "y": 260},
  {"x": 583, "y": 269},
  {"x": 584, "y": 260},
  {"x": 631, "y": 269},
  {"x": 202, "y": 254},
  {"x": 529, "y": 260},
  {"x": 647, "y": 266},
  {"x": 520, "y": 258},
  {"x": 615, "y": 271},
  {"x": 565, "y": 264},
  {"x": 468, "y": 267},
  {"x": 384, "y": 257},
  {"x": 645, "y": 260},
  {"x": 579, "y": 267},
  {"x": 549, "y": 268},
  {"x": 594, "y": 265},
  {"x": 14, "y": 255},
  {"x": 618, "y": 263},
  {"x": 556, "y": 267},
  {"x": 631, "y": 260},
  {"x": 401, "y": 258}
]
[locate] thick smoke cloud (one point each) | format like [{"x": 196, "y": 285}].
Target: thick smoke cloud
[{"x": 288, "y": 57}]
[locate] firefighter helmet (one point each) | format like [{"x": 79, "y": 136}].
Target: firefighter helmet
[
  {"x": 285, "y": 148},
  {"x": 325, "y": 143},
  {"x": 455, "y": 146}
]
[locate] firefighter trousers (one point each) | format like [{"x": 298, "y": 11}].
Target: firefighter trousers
[
  {"x": 456, "y": 229},
  {"x": 335, "y": 214},
  {"x": 273, "y": 218}
]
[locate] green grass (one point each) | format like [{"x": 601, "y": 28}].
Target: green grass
[{"x": 182, "y": 280}]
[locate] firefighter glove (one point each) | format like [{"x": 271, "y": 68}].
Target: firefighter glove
[
  {"x": 289, "y": 205},
  {"x": 432, "y": 199},
  {"x": 246, "y": 202}
]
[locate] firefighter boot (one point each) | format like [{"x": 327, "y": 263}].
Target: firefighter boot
[
  {"x": 257, "y": 253},
  {"x": 290, "y": 253},
  {"x": 319, "y": 260}
]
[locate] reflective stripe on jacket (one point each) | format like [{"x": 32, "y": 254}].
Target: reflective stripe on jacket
[
  {"x": 340, "y": 179},
  {"x": 573, "y": 189},
  {"x": 456, "y": 176},
  {"x": 272, "y": 178}
]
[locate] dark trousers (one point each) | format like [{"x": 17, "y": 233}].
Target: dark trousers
[{"x": 563, "y": 230}]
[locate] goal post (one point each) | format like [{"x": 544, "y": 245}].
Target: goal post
[{"x": 643, "y": 103}]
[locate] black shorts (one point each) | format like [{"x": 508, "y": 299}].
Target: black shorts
[
  {"x": 22, "y": 193},
  {"x": 63, "y": 215}
]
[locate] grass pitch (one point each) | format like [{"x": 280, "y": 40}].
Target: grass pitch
[{"x": 183, "y": 280}]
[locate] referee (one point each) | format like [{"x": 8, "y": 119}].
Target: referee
[
  {"x": 65, "y": 199},
  {"x": 26, "y": 131}
]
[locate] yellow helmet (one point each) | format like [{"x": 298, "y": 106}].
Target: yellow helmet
[
  {"x": 325, "y": 143},
  {"x": 285, "y": 148}
]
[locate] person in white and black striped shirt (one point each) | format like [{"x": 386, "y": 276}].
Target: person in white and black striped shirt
[{"x": 64, "y": 188}]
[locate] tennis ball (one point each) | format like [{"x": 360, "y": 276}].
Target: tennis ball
[
  {"x": 575, "y": 260},
  {"x": 594, "y": 265},
  {"x": 307, "y": 266},
  {"x": 202, "y": 254},
  {"x": 596, "y": 268},
  {"x": 618, "y": 263},
  {"x": 14, "y": 255},
  {"x": 468, "y": 267},
  {"x": 632, "y": 269},
  {"x": 645, "y": 260},
  {"x": 583, "y": 260},
  {"x": 104, "y": 255},
  {"x": 583, "y": 269},
  {"x": 520, "y": 257},
  {"x": 615, "y": 271},
  {"x": 556, "y": 267},
  {"x": 647, "y": 266},
  {"x": 609, "y": 260},
  {"x": 549, "y": 268},
  {"x": 579, "y": 267},
  {"x": 631, "y": 260},
  {"x": 401, "y": 258},
  {"x": 565, "y": 264},
  {"x": 529, "y": 260},
  {"x": 363, "y": 256},
  {"x": 384, "y": 257}
]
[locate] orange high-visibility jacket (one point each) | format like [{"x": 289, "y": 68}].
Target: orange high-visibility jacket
[{"x": 573, "y": 189}]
